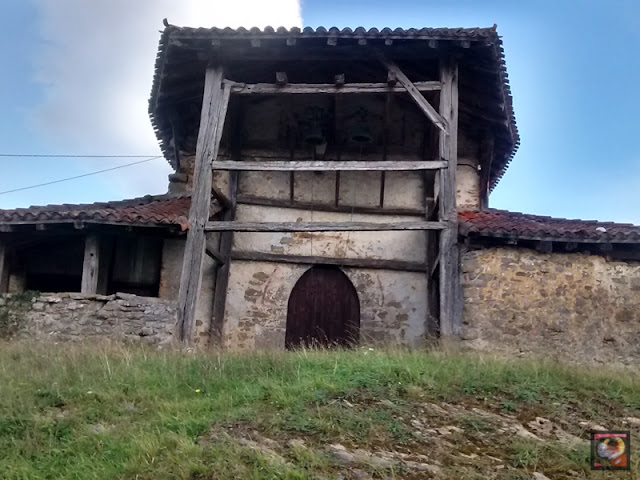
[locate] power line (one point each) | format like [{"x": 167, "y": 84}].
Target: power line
[
  {"x": 80, "y": 176},
  {"x": 40, "y": 155}
]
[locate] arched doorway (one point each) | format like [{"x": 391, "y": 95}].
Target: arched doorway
[{"x": 323, "y": 310}]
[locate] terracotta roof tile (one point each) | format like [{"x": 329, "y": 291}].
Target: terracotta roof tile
[
  {"x": 159, "y": 210},
  {"x": 502, "y": 223}
]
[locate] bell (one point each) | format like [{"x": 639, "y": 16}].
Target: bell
[
  {"x": 362, "y": 133},
  {"x": 313, "y": 134}
]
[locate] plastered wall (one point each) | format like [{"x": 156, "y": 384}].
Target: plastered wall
[{"x": 393, "y": 305}]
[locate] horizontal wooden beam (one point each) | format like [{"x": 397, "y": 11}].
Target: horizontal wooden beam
[
  {"x": 344, "y": 262},
  {"x": 325, "y": 88},
  {"x": 325, "y": 207},
  {"x": 239, "y": 226},
  {"x": 318, "y": 165}
]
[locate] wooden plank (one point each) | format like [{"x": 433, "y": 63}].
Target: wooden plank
[
  {"x": 414, "y": 91},
  {"x": 239, "y": 226},
  {"x": 323, "y": 207},
  {"x": 4, "y": 267},
  {"x": 213, "y": 113},
  {"x": 450, "y": 311},
  {"x": 319, "y": 165},
  {"x": 90, "y": 265},
  {"x": 330, "y": 88},
  {"x": 345, "y": 262}
]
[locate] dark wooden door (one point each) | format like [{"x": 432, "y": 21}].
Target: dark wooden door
[{"x": 324, "y": 310}]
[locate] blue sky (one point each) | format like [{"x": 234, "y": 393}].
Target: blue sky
[{"x": 81, "y": 72}]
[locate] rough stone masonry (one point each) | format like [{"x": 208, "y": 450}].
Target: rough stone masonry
[
  {"x": 75, "y": 316},
  {"x": 575, "y": 306}
]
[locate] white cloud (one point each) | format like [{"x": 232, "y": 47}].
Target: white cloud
[{"x": 96, "y": 65}]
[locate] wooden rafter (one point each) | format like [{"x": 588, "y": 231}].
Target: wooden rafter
[{"x": 214, "y": 110}]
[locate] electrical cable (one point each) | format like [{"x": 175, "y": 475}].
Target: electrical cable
[
  {"x": 43, "y": 155},
  {"x": 80, "y": 176}
]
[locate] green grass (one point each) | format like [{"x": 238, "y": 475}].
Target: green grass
[{"x": 113, "y": 411}]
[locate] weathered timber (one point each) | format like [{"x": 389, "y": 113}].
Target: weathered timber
[
  {"x": 328, "y": 88},
  {"x": 213, "y": 113},
  {"x": 222, "y": 273},
  {"x": 214, "y": 253},
  {"x": 239, "y": 226},
  {"x": 318, "y": 165},
  {"x": 450, "y": 296},
  {"x": 90, "y": 265},
  {"x": 323, "y": 207},
  {"x": 4, "y": 267},
  {"x": 414, "y": 91},
  {"x": 345, "y": 262}
]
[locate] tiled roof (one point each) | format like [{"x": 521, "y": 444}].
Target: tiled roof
[
  {"x": 148, "y": 211},
  {"x": 505, "y": 224},
  {"x": 487, "y": 36}
]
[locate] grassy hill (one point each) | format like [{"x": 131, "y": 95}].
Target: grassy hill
[{"x": 113, "y": 411}]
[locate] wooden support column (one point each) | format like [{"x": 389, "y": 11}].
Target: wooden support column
[
  {"x": 450, "y": 311},
  {"x": 226, "y": 237},
  {"x": 4, "y": 267},
  {"x": 90, "y": 265},
  {"x": 213, "y": 113}
]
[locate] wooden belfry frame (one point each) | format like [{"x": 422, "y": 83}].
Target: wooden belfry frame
[{"x": 214, "y": 108}]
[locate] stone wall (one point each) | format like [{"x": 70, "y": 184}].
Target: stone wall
[
  {"x": 575, "y": 306},
  {"x": 75, "y": 316}
]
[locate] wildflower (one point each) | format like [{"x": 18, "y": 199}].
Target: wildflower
[{"x": 197, "y": 390}]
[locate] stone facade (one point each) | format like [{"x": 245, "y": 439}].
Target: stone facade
[
  {"x": 75, "y": 316},
  {"x": 575, "y": 306}
]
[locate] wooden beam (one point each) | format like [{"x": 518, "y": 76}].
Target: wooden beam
[
  {"x": 327, "y": 165},
  {"x": 329, "y": 88},
  {"x": 344, "y": 262},
  {"x": 214, "y": 110},
  {"x": 412, "y": 89},
  {"x": 324, "y": 207},
  {"x": 239, "y": 226},
  {"x": 213, "y": 252},
  {"x": 4, "y": 267},
  {"x": 450, "y": 295},
  {"x": 90, "y": 265}
]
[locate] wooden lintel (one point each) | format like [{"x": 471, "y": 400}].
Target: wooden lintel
[
  {"x": 240, "y": 226},
  {"x": 344, "y": 262},
  {"x": 214, "y": 109},
  {"x": 213, "y": 252},
  {"x": 329, "y": 88},
  {"x": 329, "y": 165},
  {"x": 4, "y": 267},
  {"x": 281, "y": 79},
  {"x": 414, "y": 92},
  {"x": 90, "y": 265}
]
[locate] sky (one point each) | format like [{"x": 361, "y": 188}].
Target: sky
[{"x": 77, "y": 77}]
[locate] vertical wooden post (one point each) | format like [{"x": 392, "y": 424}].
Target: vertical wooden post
[
  {"x": 91, "y": 264},
  {"x": 450, "y": 313},
  {"x": 212, "y": 115},
  {"x": 226, "y": 238},
  {"x": 4, "y": 267}
]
